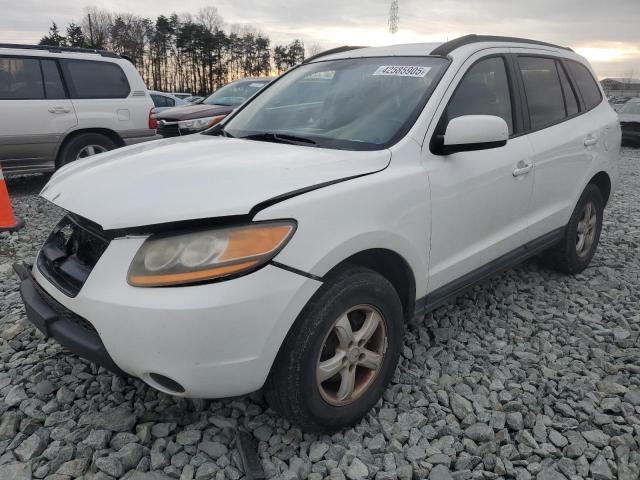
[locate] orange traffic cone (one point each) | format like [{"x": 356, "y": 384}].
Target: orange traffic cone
[{"x": 8, "y": 221}]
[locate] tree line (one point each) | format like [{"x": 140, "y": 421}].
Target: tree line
[{"x": 181, "y": 52}]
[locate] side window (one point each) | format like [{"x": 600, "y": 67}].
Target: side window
[
  {"x": 543, "y": 90},
  {"x": 567, "y": 90},
  {"x": 586, "y": 84},
  {"x": 158, "y": 100},
  {"x": 20, "y": 79},
  {"x": 52, "y": 82},
  {"x": 91, "y": 79},
  {"x": 484, "y": 90}
]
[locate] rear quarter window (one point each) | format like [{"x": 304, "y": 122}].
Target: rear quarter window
[
  {"x": 91, "y": 79},
  {"x": 586, "y": 84}
]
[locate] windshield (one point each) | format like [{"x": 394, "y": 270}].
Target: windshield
[
  {"x": 352, "y": 104},
  {"x": 631, "y": 107},
  {"x": 235, "y": 93}
]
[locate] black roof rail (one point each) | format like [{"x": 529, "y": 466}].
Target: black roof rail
[
  {"x": 344, "y": 48},
  {"x": 446, "y": 48},
  {"x": 56, "y": 49}
]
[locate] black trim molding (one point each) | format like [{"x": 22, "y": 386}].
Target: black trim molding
[{"x": 442, "y": 295}]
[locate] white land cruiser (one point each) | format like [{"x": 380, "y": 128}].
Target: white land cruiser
[
  {"x": 288, "y": 246},
  {"x": 60, "y": 104}
]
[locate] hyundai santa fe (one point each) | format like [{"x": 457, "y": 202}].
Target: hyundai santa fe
[{"x": 286, "y": 247}]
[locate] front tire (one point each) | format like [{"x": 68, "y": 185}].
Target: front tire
[
  {"x": 82, "y": 146},
  {"x": 340, "y": 354},
  {"x": 574, "y": 253}
]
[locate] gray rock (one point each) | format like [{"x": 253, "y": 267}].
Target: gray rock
[
  {"x": 317, "y": 451},
  {"x": 440, "y": 472},
  {"x": 214, "y": 449},
  {"x": 73, "y": 468},
  {"x": 415, "y": 453},
  {"x": 162, "y": 430},
  {"x": 189, "y": 437},
  {"x": 206, "y": 471},
  {"x": 550, "y": 474},
  {"x": 460, "y": 406},
  {"x": 15, "y": 396},
  {"x": 600, "y": 469},
  {"x": 597, "y": 438},
  {"x": 439, "y": 459},
  {"x": 480, "y": 432},
  {"x": 116, "y": 420},
  {"x": 515, "y": 421},
  {"x": 263, "y": 433},
  {"x": 9, "y": 425},
  {"x": 30, "y": 448},
  {"x": 633, "y": 397},
  {"x": 15, "y": 471},
  {"x": 110, "y": 465}
]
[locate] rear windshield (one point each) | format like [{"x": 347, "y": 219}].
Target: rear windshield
[
  {"x": 235, "y": 93},
  {"x": 353, "y": 104}
]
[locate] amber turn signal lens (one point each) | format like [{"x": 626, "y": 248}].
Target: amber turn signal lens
[{"x": 207, "y": 254}]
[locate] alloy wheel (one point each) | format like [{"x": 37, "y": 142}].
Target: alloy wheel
[
  {"x": 90, "y": 150},
  {"x": 352, "y": 355},
  {"x": 586, "y": 230}
]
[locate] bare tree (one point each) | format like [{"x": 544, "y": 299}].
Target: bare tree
[
  {"x": 97, "y": 25},
  {"x": 314, "y": 49},
  {"x": 210, "y": 18}
]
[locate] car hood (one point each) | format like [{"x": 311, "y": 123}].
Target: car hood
[
  {"x": 197, "y": 177},
  {"x": 189, "y": 112}
]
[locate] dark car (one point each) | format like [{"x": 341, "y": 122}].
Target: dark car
[
  {"x": 195, "y": 118},
  {"x": 629, "y": 115}
]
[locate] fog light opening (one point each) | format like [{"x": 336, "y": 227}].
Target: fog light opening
[{"x": 167, "y": 383}]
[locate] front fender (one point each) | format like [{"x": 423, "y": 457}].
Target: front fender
[{"x": 386, "y": 210}]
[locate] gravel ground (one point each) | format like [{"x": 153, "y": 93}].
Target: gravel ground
[{"x": 533, "y": 375}]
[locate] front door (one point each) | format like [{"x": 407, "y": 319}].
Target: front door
[
  {"x": 35, "y": 113},
  {"x": 479, "y": 199}
]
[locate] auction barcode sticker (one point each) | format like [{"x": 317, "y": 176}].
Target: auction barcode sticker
[{"x": 402, "y": 70}]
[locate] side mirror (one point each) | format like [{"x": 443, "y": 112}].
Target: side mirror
[{"x": 474, "y": 132}]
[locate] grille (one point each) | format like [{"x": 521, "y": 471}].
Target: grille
[
  {"x": 64, "y": 313},
  {"x": 72, "y": 250},
  {"x": 168, "y": 129}
]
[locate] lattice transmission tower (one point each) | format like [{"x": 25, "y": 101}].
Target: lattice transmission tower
[{"x": 393, "y": 17}]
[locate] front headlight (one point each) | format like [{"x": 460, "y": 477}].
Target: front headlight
[
  {"x": 199, "y": 123},
  {"x": 207, "y": 254}
]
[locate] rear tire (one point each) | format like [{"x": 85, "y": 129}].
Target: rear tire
[
  {"x": 328, "y": 374},
  {"x": 582, "y": 234},
  {"x": 84, "y": 145}
]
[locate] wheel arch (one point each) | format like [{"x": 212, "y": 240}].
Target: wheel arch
[
  {"x": 110, "y": 134},
  {"x": 390, "y": 265},
  {"x": 603, "y": 182}
]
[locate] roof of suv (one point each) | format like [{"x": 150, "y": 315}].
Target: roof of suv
[
  {"x": 39, "y": 49},
  {"x": 437, "y": 49}
]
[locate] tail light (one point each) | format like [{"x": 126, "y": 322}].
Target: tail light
[{"x": 153, "y": 123}]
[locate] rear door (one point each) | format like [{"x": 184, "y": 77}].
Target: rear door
[
  {"x": 563, "y": 137},
  {"x": 100, "y": 94},
  {"x": 36, "y": 112}
]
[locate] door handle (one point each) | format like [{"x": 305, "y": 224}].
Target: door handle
[
  {"x": 522, "y": 168},
  {"x": 590, "y": 141},
  {"x": 59, "y": 110}
]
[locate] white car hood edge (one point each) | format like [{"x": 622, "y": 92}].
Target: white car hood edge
[{"x": 199, "y": 177}]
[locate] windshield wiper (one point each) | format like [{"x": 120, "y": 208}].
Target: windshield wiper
[{"x": 279, "y": 138}]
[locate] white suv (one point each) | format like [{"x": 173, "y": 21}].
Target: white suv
[
  {"x": 288, "y": 246},
  {"x": 60, "y": 104}
]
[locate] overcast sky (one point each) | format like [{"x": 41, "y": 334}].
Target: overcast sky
[{"x": 607, "y": 32}]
